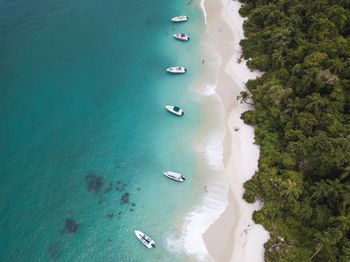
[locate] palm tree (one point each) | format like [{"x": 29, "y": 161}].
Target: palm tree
[
  {"x": 319, "y": 247},
  {"x": 320, "y": 189},
  {"x": 335, "y": 187},
  {"x": 292, "y": 192},
  {"x": 337, "y": 65},
  {"x": 315, "y": 104},
  {"x": 326, "y": 188},
  {"x": 325, "y": 242},
  {"x": 346, "y": 196},
  {"x": 245, "y": 97},
  {"x": 345, "y": 174},
  {"x": 342, "y": 222}
]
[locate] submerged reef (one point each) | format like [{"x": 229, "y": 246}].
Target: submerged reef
[
  {"x": 94, "y": 182},
  {"x": 71, "y": 226},
  {"x": 125, "y": 198}
]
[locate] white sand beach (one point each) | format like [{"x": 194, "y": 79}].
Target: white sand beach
[{"x": 234, "y": 236}]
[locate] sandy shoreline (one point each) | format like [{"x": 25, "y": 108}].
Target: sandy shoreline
[
  {"x": 220, "y": 227},
  {"x": 234, "y": 236}
]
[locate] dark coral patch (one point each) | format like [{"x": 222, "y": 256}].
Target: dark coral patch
[
  {"x": 71, "y": 226},
  {"x": 131, "y": 209},
  {"x": 125, "y": 198},
  {"x": 54, "y": 250},
  {"x": 94, "y": 182},
  {"x": 110, "y": 215},
  {"x": 120, "y": 187},
  {"x": 139, "y": 188}
]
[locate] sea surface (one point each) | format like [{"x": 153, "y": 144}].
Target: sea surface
[{"x": 84, "y": 136}]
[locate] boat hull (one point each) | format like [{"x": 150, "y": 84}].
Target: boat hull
[
  {"x": 171, "y": 110},
  {"x": 182, "y": 37},
  {"x": 174, "y": 176},
  {"x": 179, "y": 19},
  {"x": 176, "y": 70},
  {"x": 144, "y": 239}
]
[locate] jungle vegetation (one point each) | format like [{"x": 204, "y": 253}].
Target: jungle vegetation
[{"x": 302, "y": 125}]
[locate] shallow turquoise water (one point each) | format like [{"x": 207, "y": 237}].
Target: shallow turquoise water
[{"x": 82, "y": 95}]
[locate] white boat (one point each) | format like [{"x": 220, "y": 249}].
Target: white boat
[
  {"x": 181, "y": 18},
  {"x": 176, "y": 70},
  {"x": 174, "y": 175},
  {"x": 146, "y": 240},
  {"x": 182, "y": 37},
  {"x": 175, "y": 110}
]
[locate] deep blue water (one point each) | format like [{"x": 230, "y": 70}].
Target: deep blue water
[{"x": 84, "y": 137}]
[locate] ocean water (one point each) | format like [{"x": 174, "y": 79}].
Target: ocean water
[{"x": 84, "y": 136}]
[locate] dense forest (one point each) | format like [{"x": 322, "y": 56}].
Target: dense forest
[{"x": 302, "y": 125}]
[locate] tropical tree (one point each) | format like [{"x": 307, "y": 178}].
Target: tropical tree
[
  {"x": 342, "y": 222},
  {"x": 301, "y": 116},
  {"x": 292, "y": 192},
  {"x": 324, "y": 242},
  {"x": 245, "y": 97},
  {"x": 315, "y": 104}
]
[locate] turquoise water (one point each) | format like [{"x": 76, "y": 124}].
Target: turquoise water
[{"x": 84, "y": 136}]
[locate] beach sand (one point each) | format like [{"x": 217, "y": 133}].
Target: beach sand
[
  {"x": 220, "y": 227},
  {"x": 234, "y": 236}
]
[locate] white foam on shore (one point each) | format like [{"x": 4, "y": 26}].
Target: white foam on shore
[
  {"x": 208, "y": 90},
  {"x": 214, "y": 201},
  {"x": 212, "y": 149},
  {"x": 204, "y": 11},
  {"x": 197, "y": 221}
]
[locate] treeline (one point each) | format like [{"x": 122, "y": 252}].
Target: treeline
[{"x": 302, "y": 124}]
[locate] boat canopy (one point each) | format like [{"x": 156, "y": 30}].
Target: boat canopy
[
  {"x": 177, "y": 109},
  {"x": 146, "y": 239}
]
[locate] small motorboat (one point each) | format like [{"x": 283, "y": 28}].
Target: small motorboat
[
  {"x": 181, "y": 18},
  {"x": 176, "y": 70},
  {"x": 175, "y": 110},
  {"x": 146, "y": 240},
  {"x": 182, "y": 37},
  {"x": 174, "y": 175}
]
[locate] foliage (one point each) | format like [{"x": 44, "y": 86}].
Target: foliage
[{"x": 302, "y": 124}]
